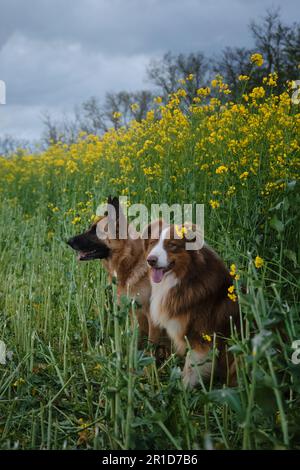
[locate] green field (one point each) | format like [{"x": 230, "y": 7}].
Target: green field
[{"x": 74, "y": 377}]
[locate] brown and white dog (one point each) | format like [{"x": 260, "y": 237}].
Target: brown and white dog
[
  {"x": 190, "y": 299},
  {"x": 123, "y": 259}
]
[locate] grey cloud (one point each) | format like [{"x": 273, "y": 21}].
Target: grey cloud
[
  {"x": 47, "y": 73},
  {"x": 135, "y": 26},
  {"x": 56, "y": 53}
]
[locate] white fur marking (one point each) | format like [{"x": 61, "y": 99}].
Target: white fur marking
[
  {"x": 158, "y": 297},
  {"x": 173, "y": 328},
  {"x": 159, "y": 250},
  {"x": 196, "y": 363}
]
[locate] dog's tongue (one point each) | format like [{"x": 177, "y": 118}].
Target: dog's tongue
[{"x": 157, "y": 274}]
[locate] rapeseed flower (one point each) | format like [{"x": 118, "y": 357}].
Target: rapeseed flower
[
  {"x": 214, "y": 204},
  {"x": 257, "y": 59},
  {"x": 76, "y": 220},
  {"x": 243, "y": 78},
  {"x": 180, "y": 231},
  {"x": 206, "y": 337},
  {"x": 259, "y": 262},
  {"x": 231, "y": 294},
  {"x": 221, "y": 169}
]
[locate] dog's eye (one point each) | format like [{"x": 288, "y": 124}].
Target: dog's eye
[{"x": 173, "y": 246}]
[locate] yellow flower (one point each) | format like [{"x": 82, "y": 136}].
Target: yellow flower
[
  {"x": 231, "y": 190},
  {"x": 257, "y": 92},
  {"x": 117, "y": 115},
  {"x": 50, "y": 235},
  {"x": 190, "y": 77},
  {"x": 18, "y": 382},
  {"x": 86, "y": 432},
  {"x": 221, "y": 169},
  {"x": 181, "y": 92},
  {"x": 83, "y": 424},
  {"x": 180, "y": 231},
  {"x": 257, "y": 59},
  {"x": 203, "y": 91},
  {"x": 206, "y": 337},
  {"x": 233, "y": 270},
  {"x": 72, "y": 166},
  {"x": 243, "y": 78},
  {"x": 231, "y": 295},
  {"x": 259, "y": 262},
  {"x": 271, "y": 80},
  {"x": 244, "y": 175},
  {"x": 158, "y": 100},
  {"x": 95, "y": 219},
  {"x": 76, "y": 220},
  {"x": 59, "y": 162},
  {"x": 214, "y": 204},
  {"x": 134, "y": 107}
]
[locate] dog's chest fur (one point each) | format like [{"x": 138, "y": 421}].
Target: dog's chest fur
[{"x": 158, "y": 310}]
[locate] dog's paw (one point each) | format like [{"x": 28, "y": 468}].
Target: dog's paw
[
  {"x": 196, "y": 368},
  {"x": 161, "y": 354}
]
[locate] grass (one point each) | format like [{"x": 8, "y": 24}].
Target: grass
[{"x": 74, "y": 377}]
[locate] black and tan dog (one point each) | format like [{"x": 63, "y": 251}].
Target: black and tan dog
[{"x": 123, "y": 259}]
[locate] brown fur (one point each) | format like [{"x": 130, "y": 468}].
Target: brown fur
[
  {"x": 198, "y": 302},
  {"x": 124, "y": 259}
]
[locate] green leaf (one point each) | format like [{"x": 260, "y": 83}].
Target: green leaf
[
  {"x": 291, "y": 255},
  {"x": 236, "y": 349},
  {"x": 265, "y": 399},
  {"x": 229, "y": 397},
  {"x": 276, "y": 224}
]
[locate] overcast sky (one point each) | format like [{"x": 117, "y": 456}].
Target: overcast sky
[{"x": 55, "y": 54}]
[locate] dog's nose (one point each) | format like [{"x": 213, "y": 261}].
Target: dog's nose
[{"x": 152, "y": 260}]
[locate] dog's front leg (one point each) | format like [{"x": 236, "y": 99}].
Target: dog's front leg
[
  {"x": 160, "y": 340},
  {"x": 197, "y": 364},
  {"x": 154, "y": 331}
]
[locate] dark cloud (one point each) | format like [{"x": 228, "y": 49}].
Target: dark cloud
[{"x": 56, "y": 53}]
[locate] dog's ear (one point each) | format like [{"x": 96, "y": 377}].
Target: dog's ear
[
  {"x": 114, "y": 202},
  {"x": 146, "y": 234},
  {"x": 116, "y": 218},
  {"x": 193, "y": 235},
  {"x": 113, "y": 207}
]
